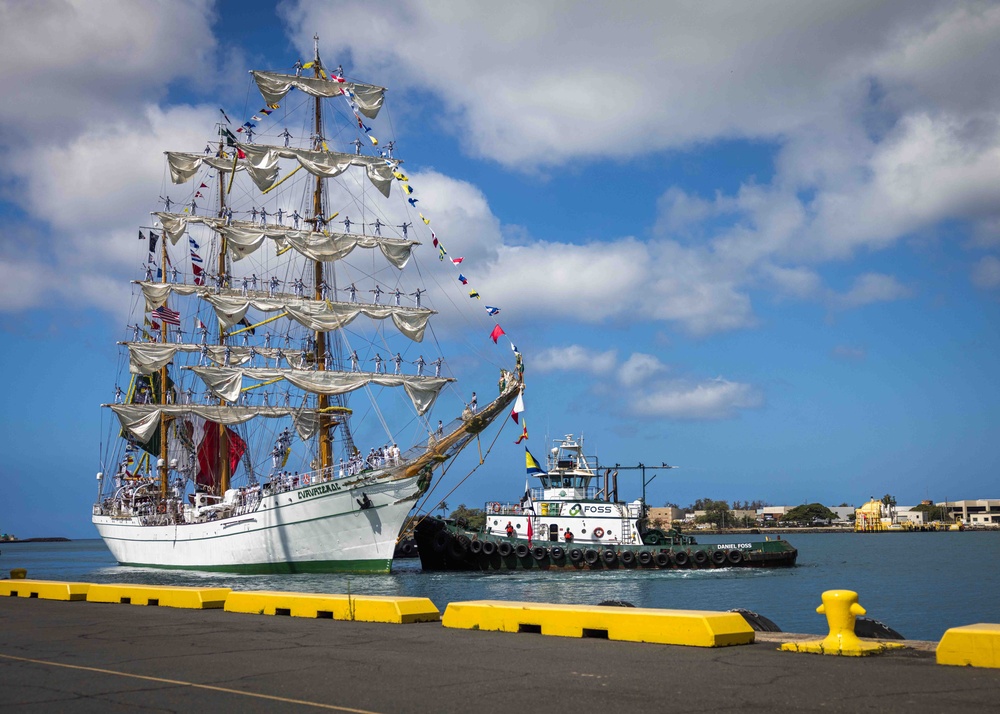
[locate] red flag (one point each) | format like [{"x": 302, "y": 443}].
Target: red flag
[
  {"x": 208, "y": 451},
  {"x": 239, "y": 153},
  {"x": 204, "y": 185},
  {"x": 524, "y": 434},
  {"x": 495, "y": 334},
  {"x": 530, "y": 531}
]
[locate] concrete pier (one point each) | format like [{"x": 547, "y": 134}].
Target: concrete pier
[{"x": 82, "y": 657}]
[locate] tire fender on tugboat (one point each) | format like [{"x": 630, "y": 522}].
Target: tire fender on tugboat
[{"x": 441, "y": 541}]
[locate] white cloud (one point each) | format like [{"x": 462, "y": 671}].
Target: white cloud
[
  {"x": 643, "y": 390},
  {"x": 574, "y": 358},
  {"x": 799, "y": 282},
  {"x": 870, "y": 288},
  {"x": 712, "y": 399},
  {"x": 92, "y": 192},
  {"x": 986, "y": 273},
  {"x": 639, "y": 369},
  {"x": 884, "y": 115},
  {"x": 621, "y": 279},
  {"x": 72, "y": 63}
]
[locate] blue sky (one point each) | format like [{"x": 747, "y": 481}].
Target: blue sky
[{"x": 759, "y": 240}]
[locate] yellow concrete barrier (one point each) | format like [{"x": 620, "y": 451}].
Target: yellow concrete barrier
[
  {"x": 44, "y": 589},
  {"x": 360, "y": 608},
  {"x": 696, "y": 628},
  {"x": 162, "y": 595},
  {"x": 971, "y": 646}
]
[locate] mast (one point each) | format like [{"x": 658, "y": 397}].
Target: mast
[
  {"x": 325, "y": 442},
  {"x": 164, "y": 419},
  {"x": 222, "y": 463}
]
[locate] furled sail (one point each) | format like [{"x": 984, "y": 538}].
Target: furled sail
[
  {"x": 175, "y": 224},
  {"x": 274, "y": 86},
  {"x": 142, "y": 420},
  {"x": 148, "y": 357},
  {"x": 184, "y": 165},
  {"x": 242, "y": 240},
  {"x": 322, "y": 315},
  {"x": 226, "y": 383},
  {"x": 262, "y": 164}
]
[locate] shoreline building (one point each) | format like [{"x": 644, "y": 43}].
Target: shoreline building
[{"x": 975, "y": 512}]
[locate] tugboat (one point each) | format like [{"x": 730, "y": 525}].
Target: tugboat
[{"x": 572, "y": 522}]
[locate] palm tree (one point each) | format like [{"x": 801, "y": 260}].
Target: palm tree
[{"x": 443, "y": 506}]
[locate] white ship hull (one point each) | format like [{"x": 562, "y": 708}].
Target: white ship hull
[{"x": 317, "y": 528}]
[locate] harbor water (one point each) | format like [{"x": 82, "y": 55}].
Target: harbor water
[{"x": 920, "y": 584}]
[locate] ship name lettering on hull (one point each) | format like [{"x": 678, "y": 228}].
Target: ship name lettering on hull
[{"x": 318, "y": 490}]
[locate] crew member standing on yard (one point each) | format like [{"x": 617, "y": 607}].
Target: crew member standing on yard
[{"x": 510, "y": 529}]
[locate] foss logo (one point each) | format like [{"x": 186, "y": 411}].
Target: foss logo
[{"x": 577, "y": 509}]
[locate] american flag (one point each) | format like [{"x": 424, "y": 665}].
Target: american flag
[{"x": 171, "y": 317}]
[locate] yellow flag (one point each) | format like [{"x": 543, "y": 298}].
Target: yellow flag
[
  {"x": 374, "y": 140},
  {"x": 307, "y": 65},
  {"x": 427, "y": 221}
]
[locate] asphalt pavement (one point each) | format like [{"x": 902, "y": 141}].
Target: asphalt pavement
[{"x": 83, "y": 657}]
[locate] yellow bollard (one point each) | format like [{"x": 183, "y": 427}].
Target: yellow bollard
[{"x": 841, "y": 608}]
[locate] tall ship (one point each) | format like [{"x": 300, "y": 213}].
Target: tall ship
[
  {"x": 574, "y": 520},
  {"x": 271, "y": 333}
]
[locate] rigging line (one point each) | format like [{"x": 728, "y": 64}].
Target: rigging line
[{"x": 445, "y": 471}]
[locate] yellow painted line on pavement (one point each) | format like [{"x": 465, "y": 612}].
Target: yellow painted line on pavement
[{"x": 181, "y": 683}]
